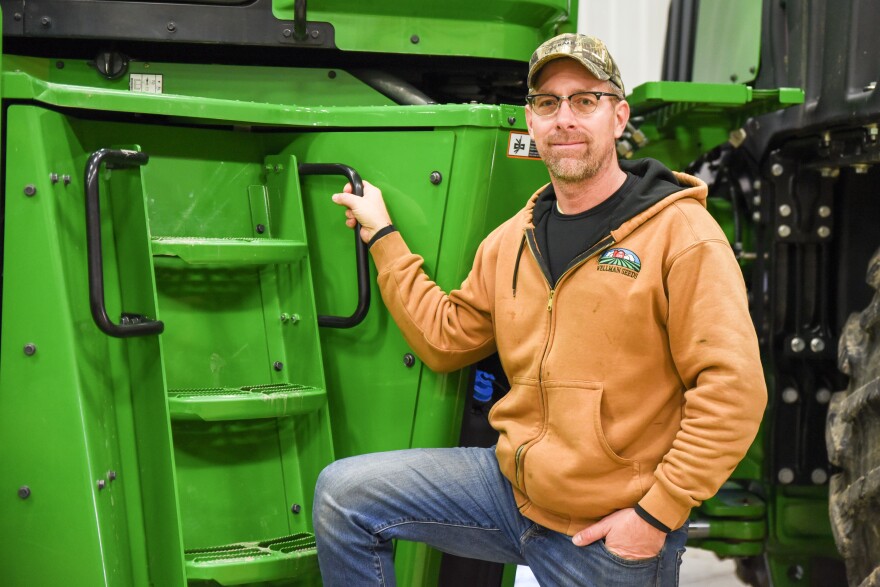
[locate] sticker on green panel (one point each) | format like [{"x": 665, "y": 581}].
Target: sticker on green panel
[{"x": 521, "y": 146}]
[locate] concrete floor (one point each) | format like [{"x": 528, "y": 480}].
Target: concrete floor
[{"x": 699, "y": 568}]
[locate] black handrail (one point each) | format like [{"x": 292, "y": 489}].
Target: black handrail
[
  {"x": 132, "y": 324},
  {"x": 363, "y": 266}
]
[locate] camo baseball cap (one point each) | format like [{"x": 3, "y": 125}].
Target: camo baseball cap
[{"x": 586, "y": 50}]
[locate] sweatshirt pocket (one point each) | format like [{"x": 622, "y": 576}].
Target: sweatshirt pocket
[{"x": 571, "y": 469}]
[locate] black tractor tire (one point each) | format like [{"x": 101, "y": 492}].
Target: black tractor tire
[{"x": 853, "y": 438}]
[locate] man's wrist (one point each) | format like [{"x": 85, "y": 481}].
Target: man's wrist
[
  {"x": 380, "y": 233},
  {"x": 640, "y": 511}
]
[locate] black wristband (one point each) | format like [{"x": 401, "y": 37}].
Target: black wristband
[
  {"x": 652, "y": 520},
  {"x": 380, "y": 233}
]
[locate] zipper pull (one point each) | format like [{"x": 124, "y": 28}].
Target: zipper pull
[{"x": 550, "y": 301}]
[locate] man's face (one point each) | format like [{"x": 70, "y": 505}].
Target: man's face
[{"x": 576, "y": 148}]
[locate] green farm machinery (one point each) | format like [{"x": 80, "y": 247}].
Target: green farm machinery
[{"x": 189, "y": 333}]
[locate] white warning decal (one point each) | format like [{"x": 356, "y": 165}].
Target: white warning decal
[
  {"x": 521, "y": 146},
  {"x": 145, "y": 83}
]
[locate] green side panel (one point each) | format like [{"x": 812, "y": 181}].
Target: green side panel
[
  {"x": 84, "y": 419},
  {"x": 731, "y": 28},
  {"x": 503, "y": 29},
  {"x": 287, "y": 86},
  {"x": 683, "y": 120}
]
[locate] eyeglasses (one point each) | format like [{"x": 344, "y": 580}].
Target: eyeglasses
[{"x": 581, "y": 103}]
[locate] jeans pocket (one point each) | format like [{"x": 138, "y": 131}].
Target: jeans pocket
[{"x": 628, "y": 562}]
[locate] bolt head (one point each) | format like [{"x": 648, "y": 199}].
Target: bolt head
[
  {"x": 414, "y": 39},
  {"x": 315, "y": 34},
  {"x": 46, "y": 21},
  {"x": 261, "y": 228},
  {"x": 511, "y": 120},
  {"x": 24, "y": 492},
  {"x": 294, "y": 318},
  {"x": 285, "y": 317},
  {"x": 101, "y": 484},
  {"x": 30, "y": 189},
  {"x": 790, "y": 395},
  {"x": 819, "y": 476},
  {"x": 278, "y": 365},
  {"x": 436, "y": 177},
  {"x": 171, "y": 27},
  {"x": 785, "y": 210},
  {"x": 785, "y": 476},
  {"x": 286, "y": 33},
  {"x": 296, "y": 508},
  {"x": 823, "y": 231},
  {"x": 817, "y": 345},
  {"x": 30, "y": 349},
  {"x": 823, "y": 395},
  {"x": 798, "y": 344},
  {"x": 824, "y": 211},
  {"x": 784, "y": 230},
  {"x": 111, "y": 475},
  {"x": 756, "y": 216},
  {"x": 756, "y": 200},
  {"x": 776, "y": 169},
  {"x": 409, "y": 360}
]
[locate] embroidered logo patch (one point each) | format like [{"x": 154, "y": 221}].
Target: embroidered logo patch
[{"x": 620, "y": 261}]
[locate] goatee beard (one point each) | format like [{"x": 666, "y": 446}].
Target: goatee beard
[{"x": 574, "y": 169}]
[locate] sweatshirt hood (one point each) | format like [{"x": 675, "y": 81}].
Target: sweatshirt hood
[{"x": 656, "y": 188}]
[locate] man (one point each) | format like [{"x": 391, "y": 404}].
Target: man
[{"x": 620, "y": 316}]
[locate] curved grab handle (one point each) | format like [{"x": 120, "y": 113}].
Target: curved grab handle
[
  {"x": 132, "y": 324},
  {"x": 363, "y": 265}
]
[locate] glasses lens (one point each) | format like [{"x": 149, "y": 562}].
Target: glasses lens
[
  {"x": 545, "y": 105},
  {"x": 583, "y": 103}
]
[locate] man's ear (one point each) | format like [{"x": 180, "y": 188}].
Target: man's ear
[
  {"x": 529, "y": 121},
  {"x": 621, "y": 117}
]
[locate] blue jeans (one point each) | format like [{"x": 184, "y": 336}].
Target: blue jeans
[{"x": 457, "y": 501}]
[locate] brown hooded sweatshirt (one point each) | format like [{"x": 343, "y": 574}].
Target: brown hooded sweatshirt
[{"x": 635, "y": 378}]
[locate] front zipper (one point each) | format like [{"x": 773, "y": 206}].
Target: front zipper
[{"x": 600, "y": 246}]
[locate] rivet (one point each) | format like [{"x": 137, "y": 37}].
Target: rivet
[
  {"x": 65, "y": 179},
  {"x": 414, "y": 39},
  {"x": 315, "y": 34},
  {"x": 296, "y": 508},
  {"x": 284, "y": 317},
  {"x": 785, "y": 476},
  {"x": 53, "y": 177},
  {"x": 16, "y": 16},
  {"x": 261, "y": 228},
  {"x": 823, "y": 231},
  {"x": 278, "y": 365},
  {"x": 30, "y": 189},
  {"x": 756, "y": 185},
  {"x": 785, "y": 210},
  {"x": 24, "y": 492},
  {"x": 46, "y": 22},
  {"x": 823, "y": 395},
  {"x": 111, "y": 475},
  {"x": 790, "y": 395},
  {"x": 436, "y": 177},
  {"x": 824, "y": 211},
  {"x": 784, "y": 230},
  {"x": 776, "y": 169},
  {"x": 798, "y": 344},
  {"x": 294, "y": 318},
  {"x": 756, "y": 200},
  {"x": 511, "y": 120},
  {"x": 817, "y": 345},
  {"x": 409, "y": 360},
  {"x": 756, "y": 216},
  {"x": 331, "y": 74},
  {"x": 101, "y": 484},
  {"x": 286, "y": 33},
  {"x": 29, "y": 349},
  {"x": 171, "y": 27},
  {"x": 819, "y": 476}
]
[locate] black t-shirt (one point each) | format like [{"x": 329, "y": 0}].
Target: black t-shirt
[{"x": 562, "y": 237}]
